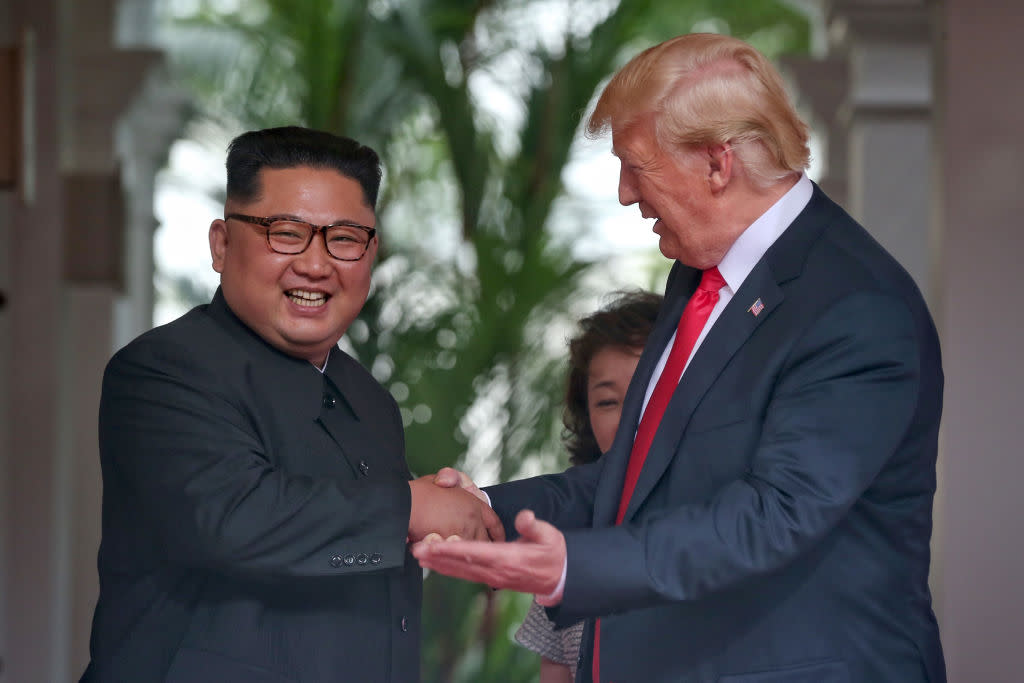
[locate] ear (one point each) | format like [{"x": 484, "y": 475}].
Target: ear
[
  {"x": 720, "y": 166},
  {"x": 218, "y": 243}
]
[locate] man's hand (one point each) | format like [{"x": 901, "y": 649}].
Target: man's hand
[
  {"x": 449, "y": 477},
  {"x": 532, "y": 564},
  {"x": 450, "y": 512}
]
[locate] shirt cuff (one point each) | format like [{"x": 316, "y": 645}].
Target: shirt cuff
[{"x": 555, "y": 597}]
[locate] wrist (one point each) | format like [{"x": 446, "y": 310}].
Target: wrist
[{"x": 554, "y": 597}]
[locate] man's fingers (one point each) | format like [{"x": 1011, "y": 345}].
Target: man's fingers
[
  {"x": 498, "y": 565},
  {"x": 495, "y": 529},
  {"x": 449, "y": 477},
  {"x": 458, "y": 569},
  {"x": 532, "y": 529},
  {"x": 524, "y": 521}
]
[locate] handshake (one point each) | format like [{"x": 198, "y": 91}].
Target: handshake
[
  {"x": 449, "y": 507},
  {"x": 448, "y": 504}
]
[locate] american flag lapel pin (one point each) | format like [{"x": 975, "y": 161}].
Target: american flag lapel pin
[{"x": 756, "y": 307}]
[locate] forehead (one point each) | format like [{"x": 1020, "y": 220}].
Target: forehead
[
  {"x": 613, "y": 360},
  {"x": 637, "y": 138},
  {"x": 315, "y": 194}
]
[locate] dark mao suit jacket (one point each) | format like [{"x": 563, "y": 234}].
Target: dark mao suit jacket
[
  {"x": 255, "y": 513},
  {"x": 779, "y": 531}
]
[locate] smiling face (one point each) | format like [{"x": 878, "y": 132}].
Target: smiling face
[
  {"x": 608, "y": 377},
  {"x": 300, "y": 304},
  {"x": 673, "y": 188}
]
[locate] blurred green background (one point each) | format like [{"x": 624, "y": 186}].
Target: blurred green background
[{"x": 475, "y": 108}]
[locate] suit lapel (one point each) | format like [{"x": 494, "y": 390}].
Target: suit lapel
[
  {"x": 732, "y": 329},
  {"x": 782, "y": 262}
]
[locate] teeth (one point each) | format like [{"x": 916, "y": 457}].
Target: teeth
[{"x": 304, "y": 298}]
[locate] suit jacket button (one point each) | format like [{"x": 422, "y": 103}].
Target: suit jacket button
[
  {"x": 375, "y": 558},
  {"x": 329, "y": 401},
  {"x": 336, "y": 561},
  {"x": 364, "y": 468},
  {"x": 349, "y": 560},
  {"x": 405, "y": 624},
  {"x": 362, "y": 558}
]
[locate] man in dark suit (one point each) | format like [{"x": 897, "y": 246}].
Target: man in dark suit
[
  {"x": 257, "y": 502},
  {"x": 771, "y": 523}
]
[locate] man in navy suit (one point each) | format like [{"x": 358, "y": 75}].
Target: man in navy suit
[{"x": 771, "y": 523}]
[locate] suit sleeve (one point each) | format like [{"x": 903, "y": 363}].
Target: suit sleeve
[
  {"x": 565, "y": 500},
  {"x": 841, "y": 406},
  {"x": 183, "y": 457}
]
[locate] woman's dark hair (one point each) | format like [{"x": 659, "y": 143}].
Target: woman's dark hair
[
  {"x": 291, "y": 147},
  {"x": 625, "y": 323}
]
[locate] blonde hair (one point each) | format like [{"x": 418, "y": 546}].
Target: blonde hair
[{"x": 705, "y": 88}]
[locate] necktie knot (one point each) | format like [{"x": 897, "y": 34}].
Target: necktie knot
[{"x": 711, "y": 280}]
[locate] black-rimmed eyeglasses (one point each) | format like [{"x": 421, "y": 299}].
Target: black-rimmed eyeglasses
[{"x": 344, "y": 241}]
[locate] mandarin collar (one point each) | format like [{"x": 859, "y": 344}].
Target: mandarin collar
[{"x": 295, "y": 377}]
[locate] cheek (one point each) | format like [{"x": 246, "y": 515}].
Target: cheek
[
  {"x": 250, "y": 259},
  {"x": 355, "y": 280},
  {"x": 604, "y": 422}
]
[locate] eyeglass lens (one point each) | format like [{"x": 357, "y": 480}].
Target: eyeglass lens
[{"x": 343, "y": 241}]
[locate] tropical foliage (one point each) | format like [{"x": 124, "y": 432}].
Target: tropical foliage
[{"x": 475, "y": 107}]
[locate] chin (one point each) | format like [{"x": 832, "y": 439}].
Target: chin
[{"x": 668, "y": 251}]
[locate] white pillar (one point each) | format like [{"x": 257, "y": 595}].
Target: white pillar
[
  {"x": 888, "y": 118},
  {"x": 980, "y": 152},
  {"x": 62, "y": 249}
]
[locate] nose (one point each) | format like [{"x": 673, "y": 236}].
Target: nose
[
  {"x": 627, "y": 187},
  {"x": 315, "y": 262}
]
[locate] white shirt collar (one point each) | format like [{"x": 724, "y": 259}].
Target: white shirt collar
[{"x": 751, "y": 245}]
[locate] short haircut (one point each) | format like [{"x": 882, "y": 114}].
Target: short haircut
[
  {"x": 623, "y": 324},
  {"x": 292, "y": 147},
  {"x": 705, "y": 88}
]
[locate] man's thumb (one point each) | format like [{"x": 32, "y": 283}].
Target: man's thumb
[
  {"x": 447, "y": 477},
  {"x": 530, "y": 528}
]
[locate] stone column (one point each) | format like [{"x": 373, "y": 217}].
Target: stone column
[
  {"x": 144, "y": 136},
  {"x": 64, "y": 241},
  {"x": 980, "y": 152},
  {"x": 821, "y": 87},
  {"x": 888, "y": 118},
  {"x": 7, "y": 128},
  {"x": 34, "y": 251}
]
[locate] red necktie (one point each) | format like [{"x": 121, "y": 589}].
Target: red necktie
[{"x": 695, "y": 316}]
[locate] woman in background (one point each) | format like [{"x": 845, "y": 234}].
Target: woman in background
[{"x": 602, "y": 358}]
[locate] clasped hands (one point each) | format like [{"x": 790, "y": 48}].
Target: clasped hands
[{"x": 533, "y": 563}]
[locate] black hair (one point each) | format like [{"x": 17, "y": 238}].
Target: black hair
[
  {"x": 625, "y": 323},
  {"x": 293, "y": 146}
]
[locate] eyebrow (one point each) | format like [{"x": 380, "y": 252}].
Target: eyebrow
[
  {"x": 606, "y": 383},
  {"x": 344, "y": 221}
]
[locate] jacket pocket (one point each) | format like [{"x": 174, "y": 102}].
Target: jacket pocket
[
  {"x": 196, "y": 666},
  {"x": 817, "y": 672}
]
